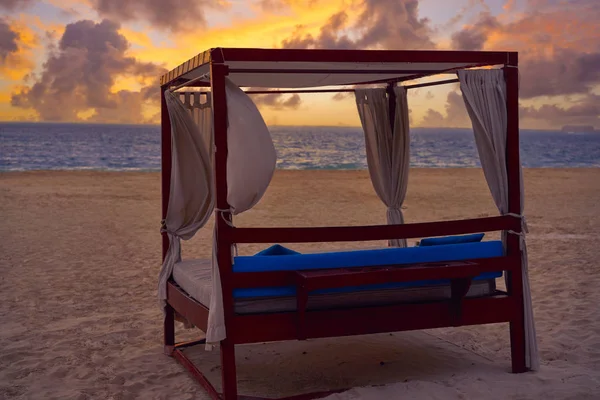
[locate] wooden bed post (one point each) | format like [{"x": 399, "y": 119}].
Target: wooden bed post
[
  {"x": 218, "y": 72},
  {"x": 165, "y": 163},
  {"x": 165, "y": 176},
  {"x": 513, "y": 162}
]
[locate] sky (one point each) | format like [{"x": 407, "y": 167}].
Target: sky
[{"x": 99, "y": 60}]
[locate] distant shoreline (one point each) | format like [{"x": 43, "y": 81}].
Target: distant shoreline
[
  {"x": 43, "y": 146},
  {"x": 437, "y": 128},
  {"x": 278, "y": 170}
]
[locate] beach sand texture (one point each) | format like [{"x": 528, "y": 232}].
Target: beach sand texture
[{"x": 80, "y": 256}]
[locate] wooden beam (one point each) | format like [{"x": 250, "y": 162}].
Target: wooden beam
[
  {"x": 218, "y": 72},
  {"x": 299, "y": 91},
  {"x": 420, "y": 85},
  {"x": 197, "y": 374},
  {"x": 332, "y": 71},
  {"x": 513, "y": 167},
  {"x": 222, "y": 55},
  {"x": 372, "y": 232},
  {"x": 258, "y": 328},
  {"x": 187, "y": 307},
  {"x": 165, "y": 160},
  {"x": 354, "y": 56},
  {"x": 306, "y": 91},
  {"x": 198, "y": 60}
]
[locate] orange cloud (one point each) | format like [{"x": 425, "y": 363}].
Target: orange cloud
[
  {"x": 509, "y": 5},
  {"x": 266, "y": 30},
  {"x": 20, "y": 63}
]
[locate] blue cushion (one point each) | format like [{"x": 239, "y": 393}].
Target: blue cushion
[
  {"x": 476, "y": 237},
  {"x": 276, "y": 250},
  {"x": 362, "y": 258}
]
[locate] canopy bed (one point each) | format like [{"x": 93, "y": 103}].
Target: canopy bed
[{"x": 218, "y": 158}]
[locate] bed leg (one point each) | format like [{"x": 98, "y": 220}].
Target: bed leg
[
  {"x": 228, "y": 370},
  {"x": 517, "y": 346},
  {"x": 517, "y": 325},
  {"x": 169, "y": 330}
]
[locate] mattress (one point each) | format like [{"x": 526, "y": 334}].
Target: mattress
[
  {"x": 194, "y": 277},
  {"x": 362, "y": 258}
]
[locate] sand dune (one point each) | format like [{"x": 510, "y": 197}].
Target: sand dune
[{"x": 80, "y": 255}]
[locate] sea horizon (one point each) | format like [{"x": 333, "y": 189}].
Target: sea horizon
[
  {"x": 28, "y": 146},
  {"x": 82, "y": 123}
]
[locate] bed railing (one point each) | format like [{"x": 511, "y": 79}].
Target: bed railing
[{"x": 370, "y": 232}]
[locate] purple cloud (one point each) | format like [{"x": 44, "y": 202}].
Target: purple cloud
[
  {"x": 79, "y": 74},
  {"x": 13, "y": 5},
  {"x": 8, "y": 41},
  {"x": 174, "y": 15},
  {"x": 386, "y": 24}
]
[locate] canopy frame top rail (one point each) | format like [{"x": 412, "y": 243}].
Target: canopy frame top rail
[{"x": 377, "y": 66}]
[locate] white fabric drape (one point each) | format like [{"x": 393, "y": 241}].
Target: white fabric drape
[
  {"x": 388, "y": 149},
  {"x": 251, "y": 161},
  {"x": 200, "y": 108},
  {"x": 251, "y": 156},
  {"x": 484, "y": 94},
  {"x": 191, "y": 195},
  {"x": 201, "y": 112},
  {"x": 250, "y": 166}
]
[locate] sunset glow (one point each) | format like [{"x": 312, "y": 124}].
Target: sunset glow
[{"x": 80, "y": 60}]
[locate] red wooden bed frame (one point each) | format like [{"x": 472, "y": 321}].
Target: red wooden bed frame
[{"x": 303, "y": 324}]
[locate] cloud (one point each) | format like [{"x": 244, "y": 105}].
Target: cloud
[
  {"x": 559, "y": 56},
  {"x": 393, "y": 24},
  {"x": 8, "y": 41},
  {"x": 274, "y": 6},
  {"x": 278, "y": 6},
  {"x": 474, "y": 37},
  {"x": 13, "y": 5},
  {"x": 18, "y": 43},
  {"x": 563, "y": 72},
  {"x": 384, "y": 24},
  {"x": 547, "y": 116},
  {"x": 79, "y": 74},
  {"x": 276, "y": 101},
  {"x": 174, "y": 15},
  {"x": 342, "y": 96},
  {"x": 585, "y": 111},
  {"x": 328, "y": 38},
  {"x": 456, "y": 114},
  {"x": 509, "y": 5}
]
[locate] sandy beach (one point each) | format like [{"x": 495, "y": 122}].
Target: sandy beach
[{"x": 80, "y": 256}]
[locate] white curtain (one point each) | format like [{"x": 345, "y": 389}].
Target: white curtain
[
  {"x": 251, "y": 161},
  {"x": 388, "y": 149},
  {"x": 199, "y": 106},
  {"x": 484, "y": 93},
  {"x": 191, "y": 195},
  {"x": 251, "y": 156}
]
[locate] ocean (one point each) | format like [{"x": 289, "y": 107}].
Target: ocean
[{"x": 58, "y": 146}]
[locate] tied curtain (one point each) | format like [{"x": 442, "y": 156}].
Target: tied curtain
[
  {"x": 191, "y": 195},
  {"x": 388, "y": 149},
  {"x": 484, "y": 94},
  {"x": 250, "y": 166}
]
